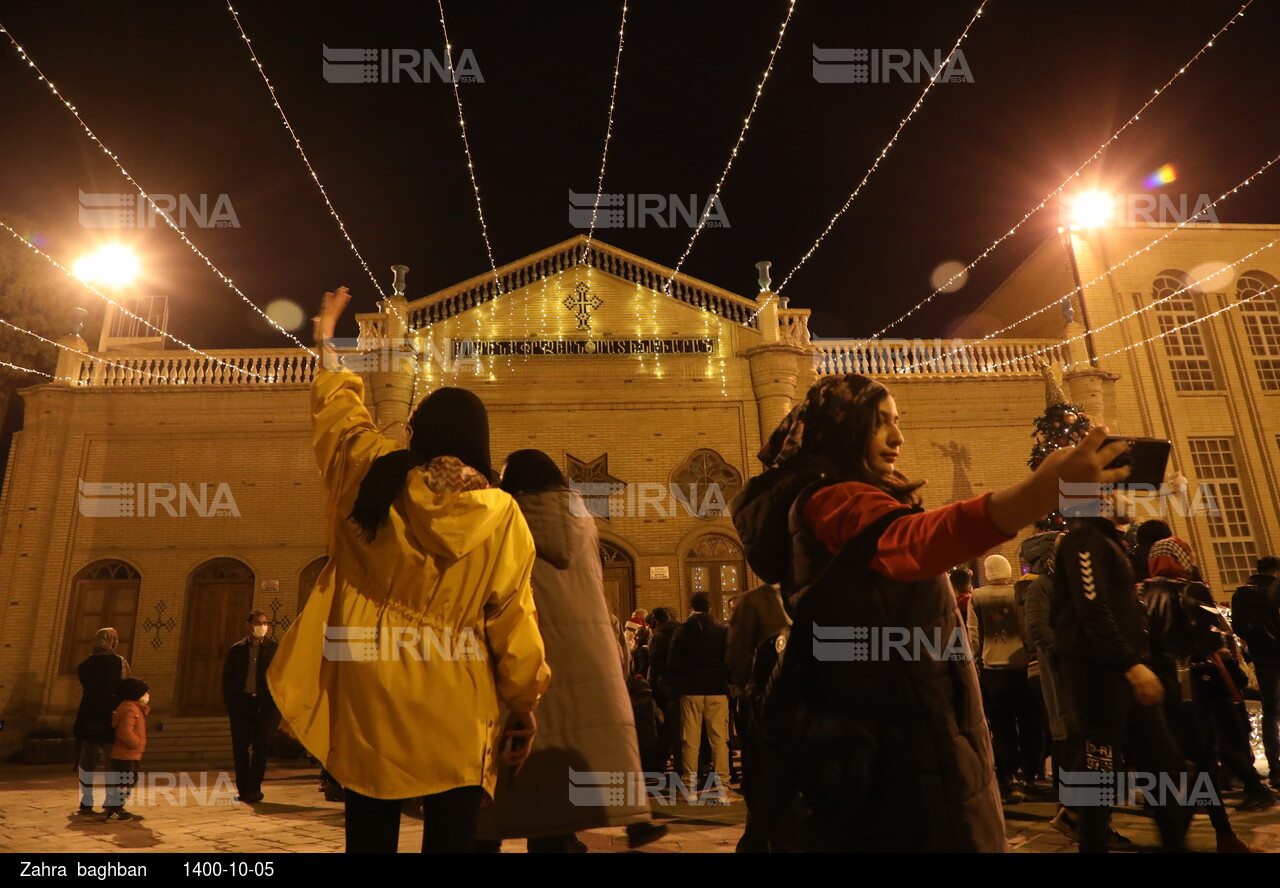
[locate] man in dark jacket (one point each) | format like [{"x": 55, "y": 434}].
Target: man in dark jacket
[
  {"x": 663, "y": 694},
  {"x": 698, "y": 670},
  {"x": 254, "y": 716},
  {"x": 1255, "y": 617},
  {"x": 1099, "y": 630}
]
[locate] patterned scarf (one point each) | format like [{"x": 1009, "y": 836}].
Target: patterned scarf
[
  {"x": 827, "y": 414},
  {"x": 448, "y": 474},
  {"x": 1171, "y": 557}
]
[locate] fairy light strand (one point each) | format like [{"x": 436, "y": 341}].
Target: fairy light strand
[
  {"x": 94, "y": 290},
  {"x": 884, "y": 151},
  {"x": 466, "y": 145},
  {"x": 608, "y": 130},
  {"x": 1123, "y": 262},
  {"x": 116, "y": 160},
  {"x": 1052, "y": 194},
  {"x": 1080, "y": 337},
  {"x": 77, "y": 351},
  {"x": 1180, "y": 327},
  {"x": 742, "y": 134},
  {"x": 297, "y": 143}
]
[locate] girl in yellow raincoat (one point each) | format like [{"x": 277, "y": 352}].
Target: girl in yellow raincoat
[{"x": 422, "y": 618}]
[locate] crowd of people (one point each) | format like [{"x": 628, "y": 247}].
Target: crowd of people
[{"x": 1073, "y": 666}]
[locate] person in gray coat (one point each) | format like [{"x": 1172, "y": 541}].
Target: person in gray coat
[{"x": 585, "y": 720}]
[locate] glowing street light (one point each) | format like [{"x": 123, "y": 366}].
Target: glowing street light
[
  {"x": 114, "y": 265},
  {"x": 1089, "y": 209}
]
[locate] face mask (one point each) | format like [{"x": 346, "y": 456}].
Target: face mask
[
  {"x": 259, "y": 631},
  {"x": 145, "y": 699}
]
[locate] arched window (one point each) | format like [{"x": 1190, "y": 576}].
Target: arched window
[
  {"x": 219, "y": 598},
  {"x": 1258, "y": 295},
  {"x": 705, "y": 484},
  {"x": 619, "y": 580},
  {"x": 307, "y": 580},
  {"x": 104, "y": 593},
  {"x": 715, "y": 567},
  {"x": 1175, "y": 305}
]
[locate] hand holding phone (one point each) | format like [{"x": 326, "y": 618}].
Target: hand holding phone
[{"x": 1147, "y": 459}]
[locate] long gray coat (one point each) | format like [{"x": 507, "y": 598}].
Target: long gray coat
[{"x": 585, "y": 722}]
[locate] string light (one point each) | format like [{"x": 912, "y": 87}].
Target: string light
[
  {"x": 466, "y": 145},
  {"x": 1052, "y": 194},
  {"x": 1132, "y": 314},
  {"x": 742, "y": 134},
  {"x": 297, "y": 143},
  {"x": 116, "y": 160},
  {"x": 902, "y": 125},
  {"x": 1243, "y": 184},
  {"x": 22, "y": 369},
  {"x": 56, "y": 264},
  {"x": 1172, "y": 330},
  {"x": 608, "y": 131},
  {"x": 78, "y": 352}
]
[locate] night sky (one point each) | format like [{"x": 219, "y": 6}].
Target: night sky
[{"x": 170, "y": 88}]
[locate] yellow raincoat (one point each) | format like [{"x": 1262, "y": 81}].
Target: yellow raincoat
[{"x": 388, "y": 676}]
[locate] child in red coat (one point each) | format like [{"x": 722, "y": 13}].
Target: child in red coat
[{"x": 130, "y": 724}]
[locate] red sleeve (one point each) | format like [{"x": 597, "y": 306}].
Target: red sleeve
[{"x": 915, "y": 546}]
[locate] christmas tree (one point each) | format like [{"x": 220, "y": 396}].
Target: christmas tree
[{"x": 1062, "y": 424}]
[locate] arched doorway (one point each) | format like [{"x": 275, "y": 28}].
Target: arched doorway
[
  {"x": 219, "y": 597},
  {"x": 619, "y": 580},
  {"x": 715, "y": 567},
  {"x": 307, "y": 580},
  {"x": 104, "y": 593}
]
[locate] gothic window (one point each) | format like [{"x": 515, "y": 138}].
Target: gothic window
[
  {"x": 705, "y": 484},
  {"x": 715, "y": 567}
]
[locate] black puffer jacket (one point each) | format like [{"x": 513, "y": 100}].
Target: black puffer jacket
[{"x": 905, "y": 741}]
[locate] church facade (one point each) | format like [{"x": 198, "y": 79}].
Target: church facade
[{"x": 166, "y": 493}]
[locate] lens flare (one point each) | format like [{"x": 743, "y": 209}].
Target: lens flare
[{"x": 1162, "y": 176}]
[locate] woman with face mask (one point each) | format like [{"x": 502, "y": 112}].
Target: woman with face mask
[{"x": 887, "y": 745}]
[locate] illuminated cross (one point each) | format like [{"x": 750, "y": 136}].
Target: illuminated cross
[{"x": 581, "y": 303}]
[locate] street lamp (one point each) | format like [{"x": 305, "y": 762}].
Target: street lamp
[
  {"x": 112, "y": 264},
  {"x": 1089, "y": 209}
]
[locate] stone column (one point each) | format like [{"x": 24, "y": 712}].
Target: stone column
[
  {"x": 1087, "y": 387},
  {"x": 775, "y": 370},
  {"x": 391, "y": 379},
  {"x": 70, "y": 362}
]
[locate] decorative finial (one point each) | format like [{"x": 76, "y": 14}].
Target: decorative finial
[
  {"x": 400, "y": 272},
  {"x": 763, "y": 269},
  {"x": 77, "y": 320}
]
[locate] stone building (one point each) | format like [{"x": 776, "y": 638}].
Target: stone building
[{"x": 167, "y": 493}]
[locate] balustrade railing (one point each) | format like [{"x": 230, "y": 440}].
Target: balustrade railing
[
  {"x": 232, "y": 367},
  {"x": 938, "y": 357}
]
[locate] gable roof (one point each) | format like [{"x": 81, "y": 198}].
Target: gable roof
[{"x": 565, "y": 255}]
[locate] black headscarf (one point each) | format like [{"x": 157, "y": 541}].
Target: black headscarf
[
  {"x": 531, "y": 471},
  {"x": 448, "y": 422}
]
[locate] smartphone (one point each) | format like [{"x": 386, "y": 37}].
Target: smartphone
[{"x": 1147, "y": 460}]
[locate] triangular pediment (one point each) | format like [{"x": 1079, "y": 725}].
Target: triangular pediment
[{"x": 571, "y": 289}]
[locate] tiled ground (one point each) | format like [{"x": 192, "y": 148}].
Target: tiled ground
[{"x": 36, "y": 815}]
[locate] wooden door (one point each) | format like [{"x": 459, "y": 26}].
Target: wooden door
[
  {"x": 619, "y": 581},
  {"x": 219, "y": 598},
  {"x": 716, "y": 568}
]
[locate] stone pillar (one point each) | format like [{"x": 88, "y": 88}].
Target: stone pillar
[
  {"x": 391, "y": 379},
  {"x": 775, "y": 370},
  {"x": 70, "y": 363},
  {"x": 1086, "y": 387}
]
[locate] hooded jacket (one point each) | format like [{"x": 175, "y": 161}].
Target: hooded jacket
[
  {"x": 129, "y": 722},
  {"x": 585, "y": 721},
  {"x": 1255, "y": 617},
  {"x": 1097, "y": 617},
  {"x": 391, "y": 675}
]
